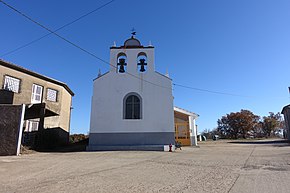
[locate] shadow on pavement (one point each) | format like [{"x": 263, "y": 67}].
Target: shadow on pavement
[
  {"x": 281, "y": 142},
  {"x": 72, "y": 147}
]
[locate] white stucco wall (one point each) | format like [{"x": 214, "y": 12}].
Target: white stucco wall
[
  {"x": 110, "y": 89},
  {"x": 192, "y": 127}
]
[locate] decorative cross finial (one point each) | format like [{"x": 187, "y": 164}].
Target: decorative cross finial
[
  {"x": 133, "y": 32},
  {"x": 167, "y": 73},
  {"x": 99, "y": 74},
  {"x": 150, "y": 43}
]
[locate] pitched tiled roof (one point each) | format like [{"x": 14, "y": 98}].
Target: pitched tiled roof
[{"x": 26, "y": 71}]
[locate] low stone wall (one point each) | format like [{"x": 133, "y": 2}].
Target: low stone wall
[
  {"x": 6, "y": 97},
  {"x": 10, "y": 122},
  {"x": 55, "y": 137},
  {"x": 47, "y": 139}
]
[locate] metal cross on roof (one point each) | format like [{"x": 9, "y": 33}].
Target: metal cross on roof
[{"x": 133, "y": 32}]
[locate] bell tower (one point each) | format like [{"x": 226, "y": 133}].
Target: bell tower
[
  {"x": 132, "y": 104},
  {"x": 132, "y": 57}
]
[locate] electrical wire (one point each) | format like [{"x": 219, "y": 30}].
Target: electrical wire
[
  {"x": 93, "y": 55},
  {"x": 37, "y": 39},
  {"x": 75, "y": 45},
  {"x": 210, "y": 91}
]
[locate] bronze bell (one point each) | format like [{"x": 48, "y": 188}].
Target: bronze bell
[
  {"x": 142, "y": 63},
  {"x": 121, "y": 70},
  {"x": 122, "y": 64},
  {"x": 122, "y": 61},
  {"x": 142, "y": 69}
]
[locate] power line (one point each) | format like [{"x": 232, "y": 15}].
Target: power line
[
  {"x": 36, "y": 40},
  {"x": 25, "y": 45},
  {"x": 53, "y": 32},
  {"x": 73, "y": 44},
  {"x": 210, "y": 91},
  {"x": 104, "y": 61}
]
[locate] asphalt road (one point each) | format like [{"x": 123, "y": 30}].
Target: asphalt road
[{"x": 220, "y": 166}]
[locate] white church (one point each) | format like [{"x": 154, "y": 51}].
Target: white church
[{"x": 132, "y": 104}]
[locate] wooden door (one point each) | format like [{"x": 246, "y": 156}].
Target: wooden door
[{"x": 182, "y": 134}]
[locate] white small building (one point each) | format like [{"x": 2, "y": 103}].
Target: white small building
[
  {"x": 132, "y": 104},
  {"x": 286, "y": 113}
]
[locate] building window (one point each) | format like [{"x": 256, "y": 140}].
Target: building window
[
  {"x": 32, "y": 126},
  {"x": 12, "y": 84},
  {"x": 51, "y": 95},
  {"x": 36, "y": 96},
  {"x": 132, "y": 107}
]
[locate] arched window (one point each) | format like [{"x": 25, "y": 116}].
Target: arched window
[
  {"x": 121, "y": 63},
  {"x": 132, "y": 106},
  {"x": 142, "y": 62}
]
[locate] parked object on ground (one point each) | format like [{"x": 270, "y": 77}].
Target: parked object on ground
[
  {"x": 215, "y": 137},
  {"x": 178, "y": 145}
]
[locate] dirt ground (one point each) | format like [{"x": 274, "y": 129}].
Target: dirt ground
[{"x": 216, "y": 166}]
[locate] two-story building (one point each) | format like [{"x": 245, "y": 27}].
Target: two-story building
[{"x": 48, "y": 102}]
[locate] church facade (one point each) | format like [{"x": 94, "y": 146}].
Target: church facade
[{"x": 132, "y": 104}]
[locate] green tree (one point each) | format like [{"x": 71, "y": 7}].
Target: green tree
[{"x": 239, "y": 124}]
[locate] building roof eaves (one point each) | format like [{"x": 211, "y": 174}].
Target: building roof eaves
[
  {"x": 24, "y": 70},
  {"x": 163, "y": 75},
  {"x": 101, "y": 76},
  {"x": 181, "y": 110},
  {"x": 131, "y": 47},
  {"x": 284, "y": 108}
]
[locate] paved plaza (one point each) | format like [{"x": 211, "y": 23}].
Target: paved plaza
[{"x": 221, "y": 166}]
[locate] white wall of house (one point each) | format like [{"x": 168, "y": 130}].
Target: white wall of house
[
  {"x": 193, "y": 130},
  {"x": 286, "y": 113}
]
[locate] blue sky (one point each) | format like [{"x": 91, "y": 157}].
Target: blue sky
[{"x": 240, "y": 47}]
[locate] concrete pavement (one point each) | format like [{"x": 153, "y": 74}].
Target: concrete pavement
[{"x": 214, "y": 167}]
